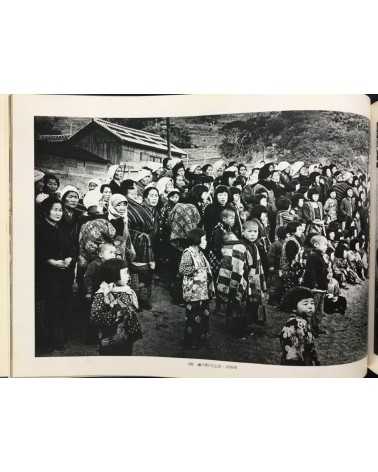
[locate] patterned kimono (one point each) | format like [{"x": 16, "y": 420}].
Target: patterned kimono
[
  {"x": 198, "y": 289},
  {"x": 256, "y": 284},
  {"x": 232, "y": 285},
  {"x": 297, "y": 343},
  {"x": 93, "y": 233},
  {"x": 113, "y": 312}
]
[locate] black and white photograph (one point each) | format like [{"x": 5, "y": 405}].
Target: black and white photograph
[{"x": 233, "y": 237}]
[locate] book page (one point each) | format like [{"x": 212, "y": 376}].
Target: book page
[
  {"x": 212, "y": 286},
  {"x": 4, "y": 238},
  {"x": 373, "y": 311}
]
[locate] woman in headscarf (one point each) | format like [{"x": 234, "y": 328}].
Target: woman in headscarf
[
  {"x": 115, "y": 177},
  {"x": 142, "y": 227},
  {"x": 212, "y": 214},
  {"x": 164, "y": 186},
  {"x": 218, "y": 169},
  {"x": 118, "y": 216},
  {"x": 182, "y": 219}
]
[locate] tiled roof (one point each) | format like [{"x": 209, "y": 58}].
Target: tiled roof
[{"x": 136, "y": 136}]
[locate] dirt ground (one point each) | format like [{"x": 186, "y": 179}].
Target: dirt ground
[{"x": 163, "y": 328}]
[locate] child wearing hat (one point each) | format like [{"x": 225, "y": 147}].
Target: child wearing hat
[{"x": 296, "y": 338}]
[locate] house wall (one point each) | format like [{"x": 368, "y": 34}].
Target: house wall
[
  {"x": 100, "y": 143},
  {"x": 71, "y": 171},
  {"x": 132, "y": 154}
]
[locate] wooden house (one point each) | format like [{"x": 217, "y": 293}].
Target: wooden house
[{"x": 120, "y": 144}]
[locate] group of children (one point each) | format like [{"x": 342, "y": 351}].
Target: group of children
[{"x": 242, "y": 241}]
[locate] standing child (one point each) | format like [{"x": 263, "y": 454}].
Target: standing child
[
  {"x": 297, "y": 340},
  {"x": 274, "y": 258},
  {"x": 114, "y": 309},
  {"x": 316, "y": 278},
  {"x": 197, "y": 287},
  {"x": 330, "y": 208},
  {"x": 232, "y": 284},
  {"x": 225, "y": 225},
  {"x": 256, "y": 294}
]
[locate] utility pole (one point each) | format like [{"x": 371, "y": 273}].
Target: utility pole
[{"x": 168, "y": 137}]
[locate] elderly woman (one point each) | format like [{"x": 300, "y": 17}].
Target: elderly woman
[
  {"x": 115, "y": 177},
  {"x": 164, "y": 185},
  {"x": 143, "y": 224}
]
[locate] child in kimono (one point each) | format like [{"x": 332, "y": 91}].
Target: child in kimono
[
  {"x": 256, "y": 290},
  {"x": 231, "y": 286},
  {"x": 114, "y": 310},
  {"x": 197, "y": 288},
  {"x": 296, "y": 338}
]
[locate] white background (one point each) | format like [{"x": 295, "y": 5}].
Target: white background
[{"x": 188, "y": 47}]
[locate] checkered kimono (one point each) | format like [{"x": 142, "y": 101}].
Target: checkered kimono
[{"x": 232, "y": 282}]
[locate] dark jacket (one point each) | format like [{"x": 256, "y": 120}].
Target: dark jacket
[{"x": 316, "y": 271}]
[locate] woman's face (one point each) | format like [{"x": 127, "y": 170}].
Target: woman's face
[
  {"x": 243, "y": 171},
  {"x": 106, "y": 194},
  {"x": 222, "y": 198},
  {"x": 328, "y": 172},
  {"x": 300, "y": 203},
  {"x": 51, "y": 186},
  {"x": 118, "y": 174},
  {"x": 263, "y": 201},
  {"x": 121, "y": 208},
  {"x": 350, "y": 192},
  {"x": 197, "y": 170},
  {"x": 203, "y": 196},
  {"x": 152, "y": 198},
  {"x": 180, "y": 181},
  {"x": 92, "y": 185},
  {"x": 203, "y": 242},
  {"x": 209, "y": 171},
  {"x": 146, "y": 180},
  {"x": 315, "y": 197},
  {"x": 181, "y": 171},
  {"x": 220, "y": 171},
  {"x": 71, "y": 200},
  {"x": 56, "y": 212}
]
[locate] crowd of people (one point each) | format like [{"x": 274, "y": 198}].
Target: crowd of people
[{"x": 290, "y": 235}]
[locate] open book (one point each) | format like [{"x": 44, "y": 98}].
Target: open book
[{"x": 188, "y": 236}]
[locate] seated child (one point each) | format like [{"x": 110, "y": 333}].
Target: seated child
[
  {"x": 231, "y": 286},
  {"x": 114, "y": 309},
  {"x": 91, "y": 283},
  {"x": 296, "y": 338}
]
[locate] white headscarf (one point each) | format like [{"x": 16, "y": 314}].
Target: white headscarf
[
  {"x": 162, "y": 183},
  {"x": 69, "y": 188},
  {"x": 92, "y": 198}
]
